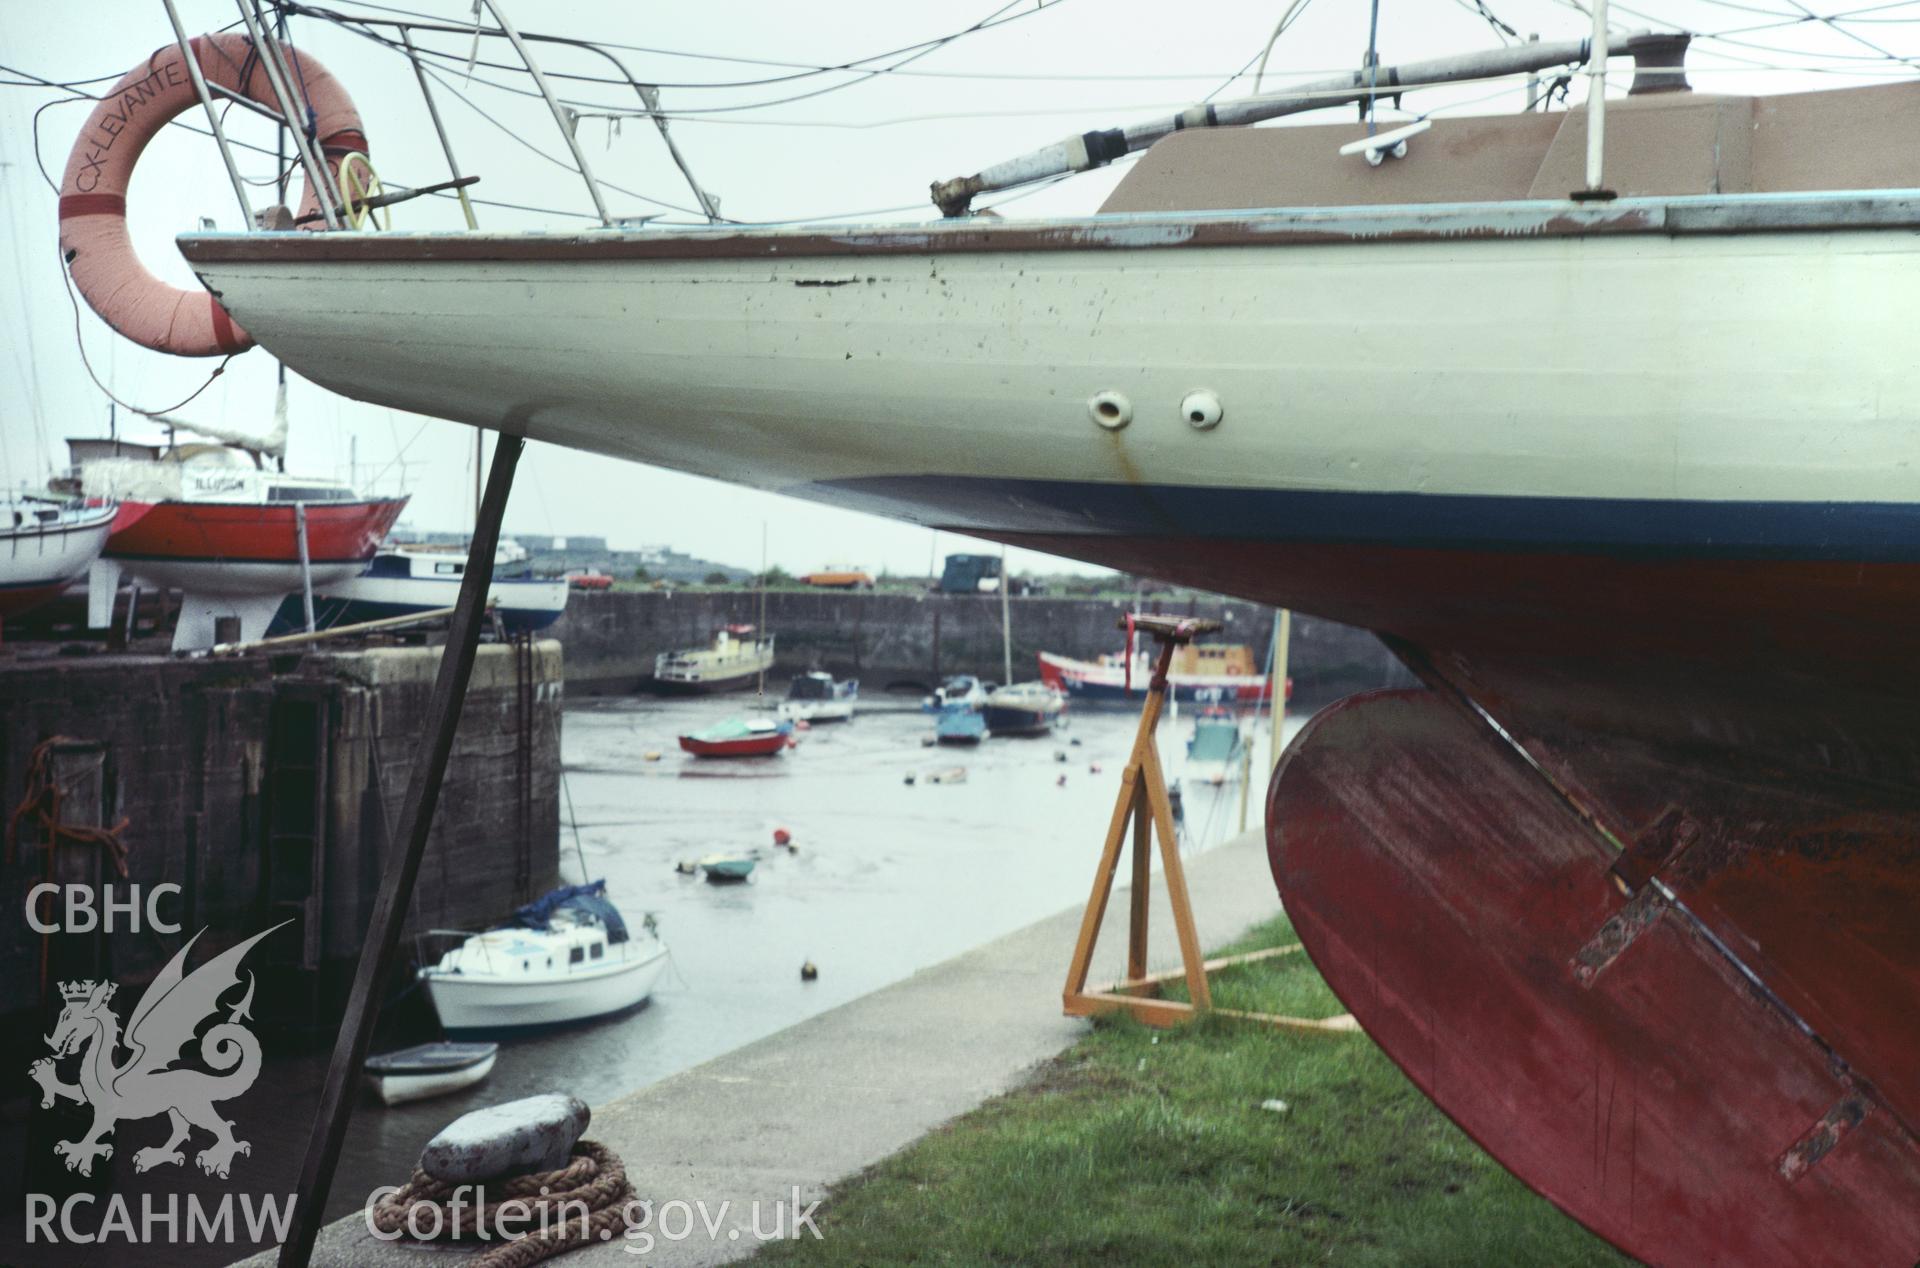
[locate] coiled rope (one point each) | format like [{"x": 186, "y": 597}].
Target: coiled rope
[
  {"x": 41, "y": 805},
  {"x": 548, "y": 1206}
]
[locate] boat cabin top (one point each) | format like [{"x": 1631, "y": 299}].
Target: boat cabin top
[{"x": 1659, "y": 143}]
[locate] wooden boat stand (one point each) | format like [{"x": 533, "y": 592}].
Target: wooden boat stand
[{"x": 1143, "y": 800}]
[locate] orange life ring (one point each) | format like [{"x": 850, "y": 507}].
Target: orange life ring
[{"x": 93, "y": 195}]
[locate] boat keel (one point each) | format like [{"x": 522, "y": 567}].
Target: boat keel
[{"x": 1557, "y": 999}]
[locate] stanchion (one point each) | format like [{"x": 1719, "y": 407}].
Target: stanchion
[{"x": 1143, "y": 802}]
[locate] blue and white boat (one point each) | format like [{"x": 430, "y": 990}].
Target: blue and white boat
[
  {"x": 961, "y": 689},
  {"x": 960, "y": 723},
  {"x": 1216, "y": 750},
  {"x": 405, "y": 580}
]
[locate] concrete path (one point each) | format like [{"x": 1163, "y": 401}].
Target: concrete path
[{"x": 792, "y": 1113}]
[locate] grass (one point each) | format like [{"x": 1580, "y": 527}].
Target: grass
[{"x": 1144, "y": 1147}]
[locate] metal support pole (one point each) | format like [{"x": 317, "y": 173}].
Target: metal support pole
[
  {"x": 559, "y": 115},
  {"x": 306, "y": 561},
  {"x": 433, "y": 112},
  {"x": 296, "y": 114},
  {"x": 1597, "y": 98},
  {"x": 402, "y": 866},
  {"x": 1282, "y": 638},
  {"x": 213, "y": 116}
]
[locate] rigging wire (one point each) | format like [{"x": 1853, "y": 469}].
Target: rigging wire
[
  {"x": 1294, "y": 10},
  {"x": 583, "y": 109},
  {"x": 1479, "y": 9},
  {"x": 856, "y": 65},
  {"x": 470, "y": 104},
  {"x": 858, "y": 75},
  {"x": 81, "y": 343}
]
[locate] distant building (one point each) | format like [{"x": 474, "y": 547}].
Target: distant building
[{"x": 553, "y": 555}]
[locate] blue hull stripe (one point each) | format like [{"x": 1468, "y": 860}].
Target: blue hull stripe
[{"x": 1850, "y": 531}]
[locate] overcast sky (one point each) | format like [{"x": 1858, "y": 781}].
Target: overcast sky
[{"x": 868, "y": 145}]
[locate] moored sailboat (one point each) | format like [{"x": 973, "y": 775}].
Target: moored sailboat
[
  {"x": 569, "y": 957},
  {"x": 404, "y": 579},
  {"x": 1025, "y": 708}
]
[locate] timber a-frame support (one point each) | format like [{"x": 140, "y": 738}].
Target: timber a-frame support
[{"x": 1143, "y": 804}]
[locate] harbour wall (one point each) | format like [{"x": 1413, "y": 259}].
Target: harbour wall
[
  {"x": 269, "y": 789},
  {"x": 897, "y": 639}
]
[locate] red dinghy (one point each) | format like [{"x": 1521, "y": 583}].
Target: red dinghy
[{"x": 759, "y": 737}]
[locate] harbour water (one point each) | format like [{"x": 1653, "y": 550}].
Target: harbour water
[{"x": 887, "y": 878}]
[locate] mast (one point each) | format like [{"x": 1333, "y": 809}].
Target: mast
[
  {"x": 1006, "y": 623},
  {"x": 1597, "y": 105},
  {"x": 1097, "y": 149}
]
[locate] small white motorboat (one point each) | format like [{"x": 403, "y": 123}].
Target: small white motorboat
[
  {"x": 816, "y": 697},
  {"x": 569, "y": 959},
  {"x": 429, "y": 1069}
]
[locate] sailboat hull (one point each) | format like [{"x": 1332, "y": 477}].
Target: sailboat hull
[
  {"x": 1634, "y": 487},
  {"x": 248, "y": 548},
  {"x": 1631, "y": 357},
  {"x": 1612, "y": 1050},
  {"x": 39, "y": 556}
]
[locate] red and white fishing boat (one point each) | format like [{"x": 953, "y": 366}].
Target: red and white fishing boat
[
  {"x": 1205, "y": 673},
  {"x": 224, "y": 526},
  {"x": 45, "y": 545}
]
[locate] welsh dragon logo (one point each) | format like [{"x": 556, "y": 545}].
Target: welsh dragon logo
[{"x": 162, "y": 1024}]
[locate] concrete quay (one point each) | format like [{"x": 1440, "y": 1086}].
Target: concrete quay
[{"x": 815, "y": 1104}]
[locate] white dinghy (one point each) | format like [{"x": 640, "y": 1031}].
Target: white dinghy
[{"x": 429, "y": 1069}]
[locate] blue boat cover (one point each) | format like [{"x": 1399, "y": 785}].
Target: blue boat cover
[{"x": 588, "y": 900}]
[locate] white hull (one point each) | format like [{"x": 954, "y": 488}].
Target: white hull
[
  {"x": 1566, "y": 364},
  {"x": 481, "y": 1003},
  {"x": 232, "y": 578},
  {"x": 1211, "y": 773},
  {"x": 52, "y": 556},
  {"x": 520, "y": 593},
  {"x": 398, "y": 1089},
  {"x": 35, "y": 555},
  {"x": 817, "y": 710}
]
